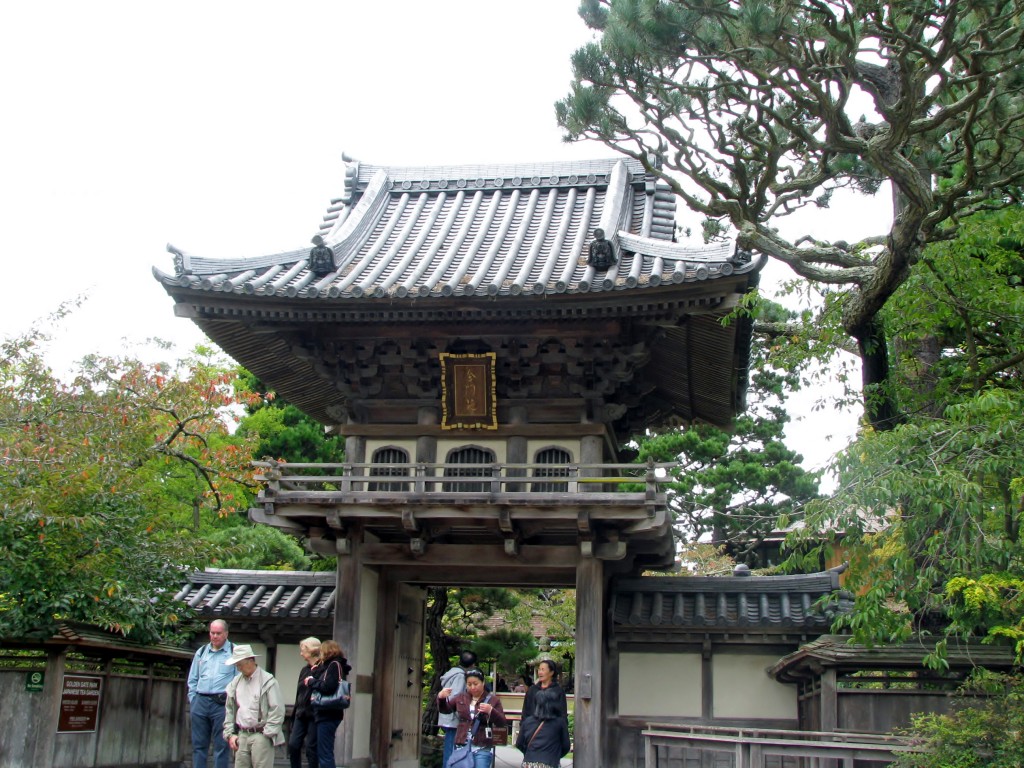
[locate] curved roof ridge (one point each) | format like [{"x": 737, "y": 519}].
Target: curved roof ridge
[
  {"x": 188, "y": 264},
  {"x": 649, "y": 246},
  {"x": 543, "y": 171}
]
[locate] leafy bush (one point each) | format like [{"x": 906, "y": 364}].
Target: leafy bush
[{"x": 981, "y": 732}]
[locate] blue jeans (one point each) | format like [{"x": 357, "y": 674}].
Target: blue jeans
[
  {"x": 303, "y": 729},
  {"x": 449, "y": 744},
  {"x": 325, "y": 730},
  {"x": 483, "y": 758},
  {"x": 208, "y": 724}
]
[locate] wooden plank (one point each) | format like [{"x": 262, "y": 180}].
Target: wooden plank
[{"x": 533, "y": 431}]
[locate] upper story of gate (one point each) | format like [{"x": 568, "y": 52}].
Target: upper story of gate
[{"x": 528, "y": 316}]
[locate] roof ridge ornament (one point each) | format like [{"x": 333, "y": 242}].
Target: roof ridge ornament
[
  {"x": 321, "y": 258},
  {"x": 181, "y": 261}
]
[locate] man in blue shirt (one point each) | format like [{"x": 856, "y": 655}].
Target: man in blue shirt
[{"x": 207, "y": 680}]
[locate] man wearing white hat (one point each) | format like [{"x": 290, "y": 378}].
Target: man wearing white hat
[{"x": 254, "y": 713}]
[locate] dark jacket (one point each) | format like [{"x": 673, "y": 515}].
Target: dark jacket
[
  {"x": 547, "y": 745},
  {"x": 459, "y": 704},
  {"x": 326, "y": 679},
  {"x": 303, "y": 706},
  {"x": 529, "y": 704}
]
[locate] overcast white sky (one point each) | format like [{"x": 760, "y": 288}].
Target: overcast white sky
[{"x": 219, "y": 127}]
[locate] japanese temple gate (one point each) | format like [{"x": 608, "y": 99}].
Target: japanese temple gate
[{"x": 487, "y": 381}]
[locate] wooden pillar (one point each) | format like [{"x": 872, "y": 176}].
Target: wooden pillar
[
  {"x": 516, "y": 451},
  {"x": 426, "y": 445},
  {"x": 589, "y": 737},
  {"x": 348, "y": 589},
  {"x": 829, "y": 700}
]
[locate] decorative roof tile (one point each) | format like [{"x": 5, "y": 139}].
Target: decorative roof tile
[
  {"x": 485, "y": 231},
  {"x": 274, "y": 595},
  {"x": 838, "y": 652},
  {"x": 718, "y": 603}
]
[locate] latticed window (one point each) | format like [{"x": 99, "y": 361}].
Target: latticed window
[
  {"x": 469, "y": 456},
  {"x": 384, "y": 461},
  {"x": 556, "y": 461}
]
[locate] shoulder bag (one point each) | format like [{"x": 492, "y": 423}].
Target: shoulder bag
[
  {"x": 340, "y": 699},
  {"x": 462, "y": 757}
]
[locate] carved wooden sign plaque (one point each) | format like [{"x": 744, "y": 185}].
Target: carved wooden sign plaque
[{"x": 467, "y": 391}]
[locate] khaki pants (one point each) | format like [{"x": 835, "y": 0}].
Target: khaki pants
[{"x": 254, "y": 751}]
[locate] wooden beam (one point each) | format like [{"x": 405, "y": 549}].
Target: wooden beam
[
  {"x": 536, "y": 431},
  {"x": 491, "y": 556}
]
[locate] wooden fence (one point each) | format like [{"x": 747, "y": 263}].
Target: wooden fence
[
  {"x": 675, "y": 746},
  {"x": 74, "y": 709}
]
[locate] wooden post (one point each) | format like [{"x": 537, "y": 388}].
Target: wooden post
[
  {"x": 346, "y": 633},
  {"x": 589, "y": 717}
]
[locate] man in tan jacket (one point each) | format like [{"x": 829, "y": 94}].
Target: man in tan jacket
[{"x": 254, "y": 712}]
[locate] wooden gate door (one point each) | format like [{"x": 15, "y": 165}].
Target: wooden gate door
[{"x": 404, "y": 747}]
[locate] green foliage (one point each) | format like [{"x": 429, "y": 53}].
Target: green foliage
[
  {"x": 509, "y": 649},
  {"x": 736, "y": 486},
  {"x": 925, "y": 503},
  {"x": 981, "y": 733},
  {"x": 284, "y": 432},
  {"x": 753, "y": 110},
  {"x": 929, "y": 513},
  {"x": 256, "y": 547},
  {"x": 992, "y": 603},
  {"x": 103, "y": 476}
]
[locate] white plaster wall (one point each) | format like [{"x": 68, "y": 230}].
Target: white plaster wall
[
  {"x": 289, "y": 664},
  {"x": 741, "y": 688},
  {"x": 357, "y": 717},
  {"x": 660, "y": 684}
]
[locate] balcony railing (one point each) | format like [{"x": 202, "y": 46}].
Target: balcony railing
[{"x": 532, "y": 484}]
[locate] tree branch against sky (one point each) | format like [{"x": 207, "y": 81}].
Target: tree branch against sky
[{"x": 752, "y": 111}]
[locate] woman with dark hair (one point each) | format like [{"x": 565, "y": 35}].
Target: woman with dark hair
[
  {"x": 474, "y": 705},
  {"x": 547, "y": 679},
  {"x": 334, "y": 668},
  {"x": 303, "y": 723},
  {"x": 544, "y": 734}
]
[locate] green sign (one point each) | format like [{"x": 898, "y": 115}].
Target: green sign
[{"x": 34, "y": 681}]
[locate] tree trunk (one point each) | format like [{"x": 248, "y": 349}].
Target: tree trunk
[{"x": 437, "y": 604}]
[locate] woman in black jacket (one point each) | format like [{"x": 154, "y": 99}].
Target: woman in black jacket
[
  {"x": 547, "y": 680},
  {"x": 303, "y": 724},
  {"x": 332, "y": 670},
  {"x": 544, "y": 733}
]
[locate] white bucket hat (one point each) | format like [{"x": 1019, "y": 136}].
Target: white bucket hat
[{"x": 240, "y": 653}]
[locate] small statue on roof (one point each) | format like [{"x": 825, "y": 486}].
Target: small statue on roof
[
  {"x": 602, "y": 252},
  {"x": 321, "y": 258}
]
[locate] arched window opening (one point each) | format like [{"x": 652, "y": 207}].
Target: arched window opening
[
  {"x": 556, "y": 461},
  {"x": 469, "y": 456},
  {"x": 384, "y": 460}
]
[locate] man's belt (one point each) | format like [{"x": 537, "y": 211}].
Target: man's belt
[
  {"x": 220, "y": 698},
  {"x": 240, "y": 729}
]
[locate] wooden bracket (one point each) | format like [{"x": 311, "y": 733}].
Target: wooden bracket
[{"x": 409, "y": 522}]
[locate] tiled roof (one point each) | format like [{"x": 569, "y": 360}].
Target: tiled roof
[
  {"x": 95, "y": 641},
  {"x": 722, "y": 603},
  {"x": 478, "y": 231},
  {"x": 274, "y": 595},
  {"x": 836, "y": 651}
]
